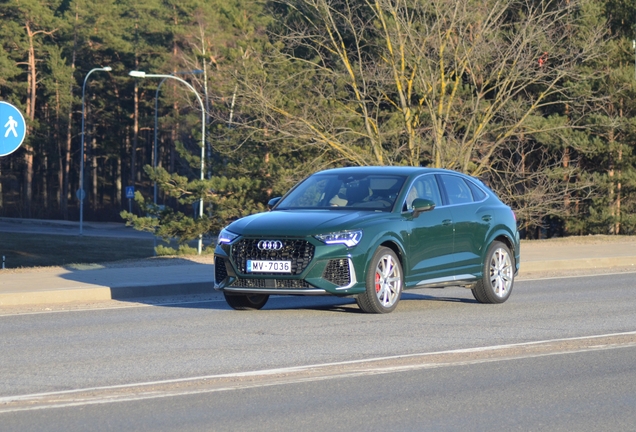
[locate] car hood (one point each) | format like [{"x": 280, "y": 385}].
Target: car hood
[{"x": 300, "y": 223}]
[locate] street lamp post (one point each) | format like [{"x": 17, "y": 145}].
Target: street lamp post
[
  {"x": 80, "y": 193},
  {"x": 142, "y": 74}
]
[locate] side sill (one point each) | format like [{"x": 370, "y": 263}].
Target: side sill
[{"x": 459, "y": 280}]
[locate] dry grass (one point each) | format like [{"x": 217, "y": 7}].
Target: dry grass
[{"x": 43, "y": 250}]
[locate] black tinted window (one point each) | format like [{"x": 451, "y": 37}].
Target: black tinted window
[
  {"x": 478, "y": 194},
  {"x": 457, "y": 190},
  {"x": 423, "y": 187}
]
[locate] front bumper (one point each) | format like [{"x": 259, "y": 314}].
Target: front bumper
[{"x": 319, "y": 270}]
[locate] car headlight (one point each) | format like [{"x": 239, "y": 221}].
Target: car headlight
[
  {"x": 347, "y": 238},
  {"x": 226, "y": 237}
]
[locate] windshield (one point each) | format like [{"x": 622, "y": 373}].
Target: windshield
[{"x": 359, "y": 191}]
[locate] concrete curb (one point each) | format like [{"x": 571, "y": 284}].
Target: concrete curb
[
  {"x": 578, "y": 264},
  {"x": 91, "y": 292}
]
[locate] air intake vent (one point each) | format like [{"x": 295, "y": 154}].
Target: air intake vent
[
  {"x": 337, "y": 272},
  {"x": 220, "y": 272}
]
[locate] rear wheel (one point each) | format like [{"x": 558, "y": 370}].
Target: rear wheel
[
  {"x": 246, "y": 301},
  {"x": 384, "y": 283},
  {"x": 496, "y": 284}
]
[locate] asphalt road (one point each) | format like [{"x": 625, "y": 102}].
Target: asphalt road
[{"x": 557, "y": 356}]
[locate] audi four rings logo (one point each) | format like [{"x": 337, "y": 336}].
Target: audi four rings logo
[{"x": 270, "y": 245}]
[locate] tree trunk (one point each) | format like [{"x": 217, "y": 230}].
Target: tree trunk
[
  {"x": 129, "y": 149},
  {"x": 66, "y": 193},
  {"x": 135, "y": 131},
  {"x": 617, "y": 224},
  {"x": 58, "y": 147},
  {"x": 610, "y": 173},
  {"x": 174, "y": 133},
  {"x": 30, "y": 112},
  {"x": 118, "y": 183},
  {"x": 94, "y": 171}
]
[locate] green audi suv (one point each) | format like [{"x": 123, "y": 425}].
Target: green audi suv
[{"x": 370, "y": 233}]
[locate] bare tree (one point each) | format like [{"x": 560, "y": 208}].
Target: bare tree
[{"x": 444, "y": 83}]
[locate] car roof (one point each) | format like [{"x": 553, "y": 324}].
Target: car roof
[{"x": 388, "y": 170}]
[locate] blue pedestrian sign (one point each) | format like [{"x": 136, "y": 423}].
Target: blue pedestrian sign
[
  {"x": 12, "y": 128},
  {"x": 130, "y": 192}
]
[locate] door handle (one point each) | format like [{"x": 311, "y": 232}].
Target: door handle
[
  {"x": 486, "y": 218},
  {"x": 447, "y": 222}
]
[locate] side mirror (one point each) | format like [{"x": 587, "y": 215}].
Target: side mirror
[
  {"x": 421, "y": 205},
  {"x": 273, "y": 202}
]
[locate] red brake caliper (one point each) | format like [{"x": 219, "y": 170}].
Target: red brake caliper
[{"x": 377, "y": 282}]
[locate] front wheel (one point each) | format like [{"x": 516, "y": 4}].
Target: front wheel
[
  {"x": 246, "y": 301},
  {"x": 384, "y": 283},
  {"x": 496, "y": 284}
]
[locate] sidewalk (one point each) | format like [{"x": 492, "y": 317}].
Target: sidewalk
[
  {"x": 176, "y": 276},
  {"x": 157, "y": 277},
  {"x": 577, "y": 253}
]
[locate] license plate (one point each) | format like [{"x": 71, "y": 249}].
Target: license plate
[{"x": 254, "y": 266}]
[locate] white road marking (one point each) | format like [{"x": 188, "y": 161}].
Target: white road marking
[{"x": 101, "y": 395}]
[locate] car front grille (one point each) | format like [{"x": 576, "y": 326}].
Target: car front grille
[
  {"x": 337, "y": 272},
  {"x": 299, "y": 252},
  {"x": 271, "y": 283}
]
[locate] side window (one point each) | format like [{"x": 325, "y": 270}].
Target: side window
[
  {"x": 478, "y": 194},
  {"x": 423, "y": 187},
  {"x": 457, "y": 190}
]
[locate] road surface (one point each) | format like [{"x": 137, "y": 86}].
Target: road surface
[{"x": 557, "y": 356}]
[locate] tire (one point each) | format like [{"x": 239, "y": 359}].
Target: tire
[
  {"x": 384, "y": 284},
  {"x": 496, "y": 284},
  {"x": 246, "y": 301}
]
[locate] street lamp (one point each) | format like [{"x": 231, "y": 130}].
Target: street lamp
[
  {"x": 80, "y": 193},
  {"x": 142, "y": 74}
]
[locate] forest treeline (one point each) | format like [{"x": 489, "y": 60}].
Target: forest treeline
[{"x": 536, "y": 98}]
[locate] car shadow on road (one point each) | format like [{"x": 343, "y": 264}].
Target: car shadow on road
[
  {"x": 348, "y": 305},
  {"x": 181, "y": 283}
]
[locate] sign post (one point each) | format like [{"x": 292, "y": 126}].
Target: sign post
[
  {"x": 130, "y": 194},
  {"x": 12, "y": 128}
]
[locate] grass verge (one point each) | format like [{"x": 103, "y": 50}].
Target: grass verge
[{"x": 35, "y": 250}]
